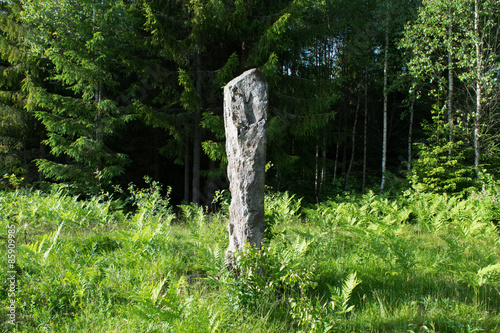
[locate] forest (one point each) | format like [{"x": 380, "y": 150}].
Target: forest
[
  {"x": 364, "y": 95},
  {"x": 382, "y": 177}
]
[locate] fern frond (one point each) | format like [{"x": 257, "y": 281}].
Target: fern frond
[
  {"x": 343, "y": 296},
  {"x": 489, "y": 274},
  {"x": 296, "y": 249},
  {"x": 54, "y": 240},
  {"x": 347, "y": 288}
]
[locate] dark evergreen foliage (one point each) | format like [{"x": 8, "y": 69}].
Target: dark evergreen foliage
[{"x": 118, "y": 89}]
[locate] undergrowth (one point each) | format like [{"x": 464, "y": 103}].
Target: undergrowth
[{"x": 418, "y": 263}]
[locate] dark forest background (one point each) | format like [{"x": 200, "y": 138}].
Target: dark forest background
[{"x": 364, "y": 94}]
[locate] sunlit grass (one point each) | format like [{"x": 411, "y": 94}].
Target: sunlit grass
[{"x": 149, "y": 271}]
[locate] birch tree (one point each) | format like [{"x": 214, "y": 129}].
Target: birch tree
[{"x": 455, "y": 50}]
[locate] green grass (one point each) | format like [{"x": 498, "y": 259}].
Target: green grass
[{"x": 418, "y": 263}]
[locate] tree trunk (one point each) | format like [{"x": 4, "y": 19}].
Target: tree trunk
[
  {"x": 323, "y": 163},
  {"x": 450, "y": 83},
  {"x": 196, "y": 158},
  {"x": 384, "y": 139},
  {"x": 316, "y": 173},
  {"x": 197, "y": 136},
  {"x": 337, "y": 148},
  {"x": 98, "y": 130},
  {"x": 186, "y": 169},
  {"x": 98, "y": 95},
  {"x": 477, "y": 118},
  {"x": 410, "y": 133},
  {"x": 336, "y": 161},
  {"x": 344, "y": 158},
  {"x": 353, "y": 147},
  {"x": 365, "y": 132}
]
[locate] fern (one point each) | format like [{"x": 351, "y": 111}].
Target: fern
[
  {"x": 36, "y": 248},
  {"x": 296, "y": 250},
  {"x": 194, "y": 215},
  {"x": 489, "y": 274},
  {"x": 215, "y": 261},
  {"x": 54, "y": 239},
  {"x": 347, "y": 287},
  {"x": 151, "y": 304},
  {"x": 318, "y": 317},
  {"x": 215, "y": 319}
]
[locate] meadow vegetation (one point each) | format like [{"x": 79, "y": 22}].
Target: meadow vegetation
[{"x": 416, "y": 262}]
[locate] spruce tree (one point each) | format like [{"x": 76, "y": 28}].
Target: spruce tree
[
  {"x": 18, "y": 131},
  {"x": 281, "y": 39},
  {"x": 84, "y": 44}
]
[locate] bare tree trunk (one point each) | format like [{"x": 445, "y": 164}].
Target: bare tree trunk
[
  {"x": 323, "y": 163},
  {"x": 337, "y": 153},
  {"x": 196, "y": 158},
  {"x": 410, "y": 133},
  {"x": 98, "y": 94},
  {"x": 186, "y": 169},
  {"x": 353, "y": 147},
  {"x": 477, "y": 119},
  {"x": 344, "y": 152},
  {"x": 336, "y": 161},
  {"x": 197, "y": 137},
  {"x": 344, "y": 158},
  {"x": 98, "y": 130},
  {"x": 365, "y": 131},
  {"x": 386, "y": 65},
  {"x": 450, "y": 83},
  {"x": 316, "y": 173}
]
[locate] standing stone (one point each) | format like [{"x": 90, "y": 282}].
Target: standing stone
[{"x": 245, "y": 115}]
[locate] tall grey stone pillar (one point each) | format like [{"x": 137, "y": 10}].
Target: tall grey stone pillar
[{"x": 245, "y": 115}]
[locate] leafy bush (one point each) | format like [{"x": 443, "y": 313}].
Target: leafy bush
[
  {"x": 150, "y": 203},
  {"x": 437, "y": 172},
  {"x": 279, "y": 207}
]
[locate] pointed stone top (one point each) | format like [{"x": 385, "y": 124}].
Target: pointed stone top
[{"x": 254, "y": 72}]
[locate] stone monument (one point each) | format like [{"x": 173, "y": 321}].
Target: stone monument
[{"x": 245, "y": 115}]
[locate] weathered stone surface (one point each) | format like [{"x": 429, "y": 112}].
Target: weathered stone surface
[{"x": 245, "y": 115}]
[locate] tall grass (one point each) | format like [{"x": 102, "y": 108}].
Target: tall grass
[{"x": 418, "y": 263}]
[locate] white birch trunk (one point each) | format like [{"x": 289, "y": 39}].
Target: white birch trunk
[
  {"x": 477, "y": 118},
  {"x": 450, "y": 83}
]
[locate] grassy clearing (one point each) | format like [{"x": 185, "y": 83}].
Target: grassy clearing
[{"x": 419, "y": 263}]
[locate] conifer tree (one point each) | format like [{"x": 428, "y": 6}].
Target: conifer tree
[
  {"x": 17, "y": 127},
  {"x": 295, "y": 52},
  {"x": 211, "y": 42},
  {"x": 84, "y": 44}
]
